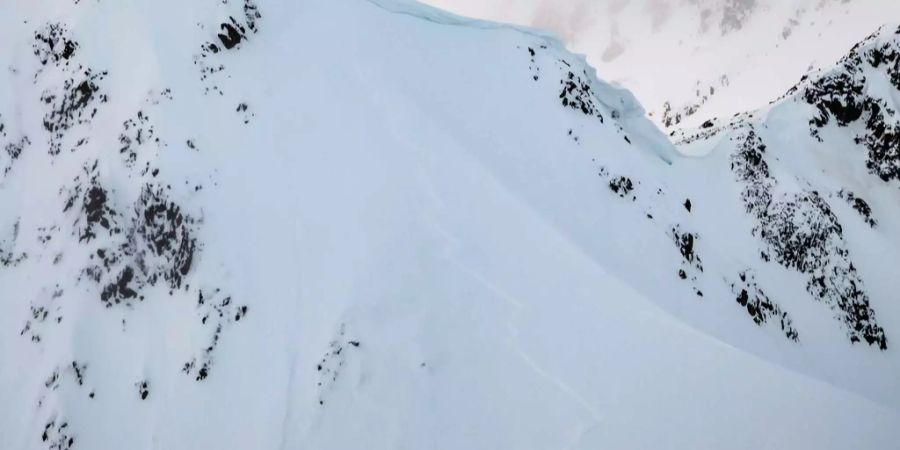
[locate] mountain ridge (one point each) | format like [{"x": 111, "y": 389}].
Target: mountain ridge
[{"x": 262, "y": 233}]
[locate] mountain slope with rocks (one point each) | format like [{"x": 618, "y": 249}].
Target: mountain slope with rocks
[{"x": 318, "y": 224}]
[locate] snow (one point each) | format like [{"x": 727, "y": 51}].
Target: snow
[{"x": 427, "y": 247}]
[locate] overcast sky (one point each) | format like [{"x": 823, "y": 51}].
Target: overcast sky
[
  {"x": 588, "y": 26},
  {"x": 566, "y": 17}
]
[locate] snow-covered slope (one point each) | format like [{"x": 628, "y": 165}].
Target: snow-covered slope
[
  {"x": 346, "y": 223},
  {"x": 689, "y": 61}
]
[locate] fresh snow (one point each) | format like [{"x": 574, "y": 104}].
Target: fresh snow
[{"x": 372, "y": 223}]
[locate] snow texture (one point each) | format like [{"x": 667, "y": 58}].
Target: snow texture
[{"x": 345, "y": 223}]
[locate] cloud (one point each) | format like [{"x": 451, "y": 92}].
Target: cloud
[
  {"x": 659, "y": 12},
  {"x": 568, "y": 19},
  {"x": 602, "y": 28}
]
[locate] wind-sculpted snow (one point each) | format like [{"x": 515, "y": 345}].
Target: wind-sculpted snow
[
  {"x": 576, "y": 94},
  {"x": 579, "y": 93},
  {"x": 327, "y": 224}
]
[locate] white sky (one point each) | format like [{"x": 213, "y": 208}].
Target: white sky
[{"x": 568, "y": 18}]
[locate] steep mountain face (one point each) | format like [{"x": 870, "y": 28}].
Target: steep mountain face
[
  {"x": 819, "y": 176},
  {"x": 315, "y": 224}
]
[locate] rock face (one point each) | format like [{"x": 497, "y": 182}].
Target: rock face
[
  {"x": 851, "y": 113},
  {"x": 801, "y": 232},
  {"x": 860, "y": 91},
  {"x": 232, "y": 227}
]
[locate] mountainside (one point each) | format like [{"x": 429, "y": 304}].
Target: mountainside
[
  {"x": 718, "y": 58},
  {"x": 335, "y": 223},
  {"x": 689, "y": 61}
]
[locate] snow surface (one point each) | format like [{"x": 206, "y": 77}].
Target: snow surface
[{"x": 370, "y": 223}]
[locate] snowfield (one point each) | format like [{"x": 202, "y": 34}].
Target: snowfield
[{"x": 339, "y": 224}]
